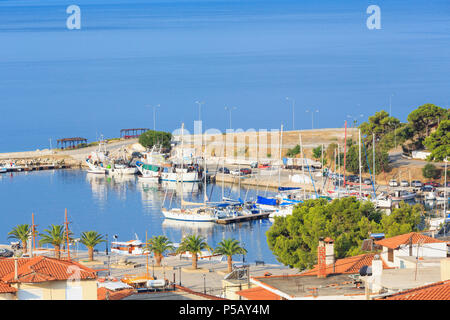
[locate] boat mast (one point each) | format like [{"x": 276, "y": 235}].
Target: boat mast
[
  {"x": 303, "y": 166},
  {"x": 374, "y": 164},
  {"x": 339, "y": 177},
  {"x": 182, "y": 162},
  {"x": 279, "y": 169},
  {"x": 360, "y": 186},
  {"x": 204, "y": 168},
  {"x": 345, "y": 148},
  {"x": 322, "y": 169}
]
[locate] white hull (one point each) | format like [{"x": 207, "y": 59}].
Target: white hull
[
  {"x": 383, "y": 203},
  {"x": 186, "y": 215},
  {"x": 430, "y": 196},
  {"x": 281, "y": 212},
  {"x": 180, "y": 176},
  {"x": 148, "y": 178},
  {"x": 408, "y": 196},
  {"x": 122, "y": 171}
]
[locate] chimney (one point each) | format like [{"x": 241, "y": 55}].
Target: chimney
[
  {"x": 329, "y": 251},
  {"x": 377, "y": 271},
  {"x": 321, "y": 259},
  {"x": 16, "y": 268}
]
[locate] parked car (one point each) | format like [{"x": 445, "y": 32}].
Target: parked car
[
  {"x": 416, "y": 183},
  {"x": 236, "y": 172},
  {"x": 367, "y": 181},
  {"x": 404, "y": 183},
  {"x": 254, "y": 165},
  {"x": 352, "y": 178},
  {"x": 263, "y": 166},
  {"x": 393, "y": 183},
  {"x": 5, "y": 253},
  {"x": 246, "y": 171},
  {"x": 432, "y": 183},
  {"x": 428, "y": 188},
  {"x": 224, "y": 170}
]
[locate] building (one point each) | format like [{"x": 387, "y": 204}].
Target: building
[
  {"x": 330, "y": 279},
  {"x": 435, "y": 291},
  {"x": 397, "y": 249},
  {"x": 44, "y": 278}
]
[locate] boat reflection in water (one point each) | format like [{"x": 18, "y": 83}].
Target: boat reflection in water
[{"x": 204, "y": 229}]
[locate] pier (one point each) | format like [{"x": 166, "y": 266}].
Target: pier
[{"x": 243, "y": 218}]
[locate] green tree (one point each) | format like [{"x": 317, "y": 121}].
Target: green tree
[
  {"x": 438, "y": 143},
  {"x": 294, "y": 151},
  {"x": 150, "y": 138},
  {"x": 194, "y": 244},
  {"x": 381, "y": 160},
  {"x": 55, "y": 236},
  {"x": 229, "y": 247},
  {"x": 21, "y": 232},
  {"x": 429, "y": 171},
  {"x": 158, "y": 245},
  {"x": 90, "y": 239},
  {"x": 294, "y": 239},
  {"x": 404, "y": 219},
  {"x": 379, "y": 124},
  {"x": 426, "y": 116}
]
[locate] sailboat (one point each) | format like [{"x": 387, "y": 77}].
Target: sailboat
[{"x": 200, "y": 212}]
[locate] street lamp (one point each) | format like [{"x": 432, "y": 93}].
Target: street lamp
[
  {"x": 390, "y": 104},
  {"x": 199, "y": 109},
  {"x": 154, "y": 115},
  {"x": 355, "y": 119},
  {"x": 293, "y": 107},
  {"x": 312, "y": 116},
  {"x": 204, "y": 283},
  {"x": 230, "y": 109}
]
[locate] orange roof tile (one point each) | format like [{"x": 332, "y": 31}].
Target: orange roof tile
[
  {"x": 40, "y": 269},
  {"x": 5, "y": 288},
  {"x": 347, "y": 265},
  {"x": 435, "y": 291},
  {"x": 113, "y": 295},
  {"x": 395, "y": 242},
  {"x": 258, "y": 293}
]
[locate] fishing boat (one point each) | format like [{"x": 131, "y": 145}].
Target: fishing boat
[
  {"x": 95, "y": 168},
  {"x": 403, "y": 195},
  {"x": 11, "y": 166},
  {"x": 383, "y": 200},
  {"x": 180, "y": 174},
  {"x": 430, "y": 195},
  {"x": 131, "y": 248},
  {"x": 3, "y": 170},
  {"x": 149, "y": 172}
]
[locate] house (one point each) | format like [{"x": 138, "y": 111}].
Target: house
[
  {"x": 44, "y": 278},
  {"x": 435, "y": 291},
  {"x": 413, "y": 244},
  {"x": 330, "y": 279}
]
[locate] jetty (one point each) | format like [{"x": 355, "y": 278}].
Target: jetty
[{"x": 243, "y": 218}]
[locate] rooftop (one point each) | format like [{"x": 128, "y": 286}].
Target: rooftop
[
  {"x": 301, "y": 286},
  {"x": 397, "y": 241},
  {"x": 435, "y": 291}
]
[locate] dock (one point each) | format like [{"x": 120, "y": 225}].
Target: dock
[
  {"x": 38, "y": 168},
  {"x": 243, "y": 218}
]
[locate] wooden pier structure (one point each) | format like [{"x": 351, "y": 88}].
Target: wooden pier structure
[
  {"x": 243, "y": 218},
  {"x": 132, "y": 133}
]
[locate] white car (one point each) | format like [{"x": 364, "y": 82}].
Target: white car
[
  {"x": 404, "y": 183},
  {"x": 236, "y": 172},
  {"x": 393, "y": 183}
]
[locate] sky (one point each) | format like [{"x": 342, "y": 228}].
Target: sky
[{"x": 131, "y": 55}]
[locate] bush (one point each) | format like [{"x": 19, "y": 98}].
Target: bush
[
  {"x": 431, "y": 172},
  {"x": 150, "y": 138}
]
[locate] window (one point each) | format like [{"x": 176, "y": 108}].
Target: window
[{"x": 391, "y": 255}]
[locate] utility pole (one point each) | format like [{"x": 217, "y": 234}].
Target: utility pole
[
  {"x": 374, "y": 163},
  {"x": 67, "y": 235},
  {"x": 360, "y": 173},
  {"x": 419, "y": 243}
]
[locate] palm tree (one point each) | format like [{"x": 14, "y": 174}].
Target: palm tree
[
  {"x": 55, "y": 236},
  {"x": 90, "y": 239},
  {"x": 158, "y": 245},
  {"x": 194, "y": 244},
  {"x": 21, "y": 232},
  {"x": 229, "y": 247}
]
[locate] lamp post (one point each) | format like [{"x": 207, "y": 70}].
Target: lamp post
[
  {"x": 153, "y": 268},
  {"x": 390, "y": 104},
  {"x": 199, "y": 109},
  {"x": 312, "y": 116},
  {"x": 154, "y": 115},
  {"x": 293, "y": 107},
  {"x": 230, "y": 109},
  {"x": 355, "y": 119},
  {"x": 204, "y": 283}
]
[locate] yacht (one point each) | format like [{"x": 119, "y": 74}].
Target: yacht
[{"x": 403, "y": 195}]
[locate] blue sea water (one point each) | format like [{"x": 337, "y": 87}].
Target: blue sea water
[
  {"x": 252, "y": 54},
  {"x": 119, "y": 206}
]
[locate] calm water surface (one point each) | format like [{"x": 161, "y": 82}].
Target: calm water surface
[{"x": 114, "y": 205}]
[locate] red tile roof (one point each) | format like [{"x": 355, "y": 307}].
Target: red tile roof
[
  {"x": 258, "y": 293},
  {"x": 435, "y": 291},
  {"x": 395, "y": 242},
  {"x": 40, "y": 269},
  {"x": 113, "y": 295},
  {"x": 348, "y": 265},
  {"x": 5, "y": 288}
]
